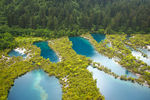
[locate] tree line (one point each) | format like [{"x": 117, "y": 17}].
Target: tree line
[{"x": 113, "y": 16}]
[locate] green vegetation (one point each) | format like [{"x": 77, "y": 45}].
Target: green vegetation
[
  {"x": 6, "y": 41},
  {"x": 122, "y": 55},
  {"x": 45, "y": 33},
  {"x": 139, "y": 40}
]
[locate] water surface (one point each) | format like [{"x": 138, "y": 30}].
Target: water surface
[
  {"x": 36, "y": 85},
  {"x": 46, "y": 51},
  {"x": 98, "y": 37},
  {"x": 16, "y": 54}
]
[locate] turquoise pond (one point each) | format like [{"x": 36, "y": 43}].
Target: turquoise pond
[
  {"x": 16, "y": 54},
  {"x": 37, "y": 85},
  {"x": 46, "y": 51},
  {"x": 111, "y": 88},
  {"x": 98, "y": 37}
]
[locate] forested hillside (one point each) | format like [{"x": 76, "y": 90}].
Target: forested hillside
[{"x": 72, "y": 17}]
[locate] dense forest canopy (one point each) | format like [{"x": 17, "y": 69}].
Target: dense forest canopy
[
  {"x": 73, "y": 17},
  {"x": 6, "y": 41}
]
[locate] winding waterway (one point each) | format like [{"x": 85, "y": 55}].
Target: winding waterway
[
  {"x": 37, "y": 85},
  {"x": 111, "y": 88}
]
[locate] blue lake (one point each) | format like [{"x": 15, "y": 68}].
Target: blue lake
[
  {"x": 111, "y": 88},
  {"x": 46, "y": 51},
  {"x": 37, "y": 85}
]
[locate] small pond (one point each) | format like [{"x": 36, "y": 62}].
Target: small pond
[
  {"x": 36, "y": 85},
  {"x": 16, "y": 54}
]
